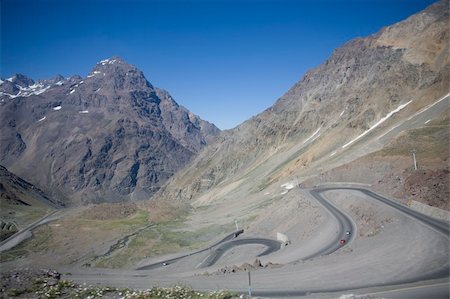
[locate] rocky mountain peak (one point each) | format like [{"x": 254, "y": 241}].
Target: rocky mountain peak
[
  {"x": 57, "y": 80},
  {"x": 118, "y": 74},
  {"x": 17, "y": 85},
  {"x": 110, "y": 136},
  {"x": 21, "y": 80}
]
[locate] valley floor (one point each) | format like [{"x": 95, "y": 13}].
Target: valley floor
[{"x": 389, "y": 249}]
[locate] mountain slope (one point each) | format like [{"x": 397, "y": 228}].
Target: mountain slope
[
  {"x": 16, "y": 191},
  {"x": 109, "y": 136},
  {"x": 328, "y": 115},
  {"x": 21, "y": 203}
]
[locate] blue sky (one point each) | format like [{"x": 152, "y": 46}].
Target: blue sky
[{"x": 224, "y": 60}]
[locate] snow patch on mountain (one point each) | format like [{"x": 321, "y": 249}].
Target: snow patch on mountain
[
  {"x": 382, "y": 120},
  {"x": 108, "y": 61},
  {"x": 35, "y": 89},
  {"x": 314, "y": 134},
  {"x": 38, "y": 92}
]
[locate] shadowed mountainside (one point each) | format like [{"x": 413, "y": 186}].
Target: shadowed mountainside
[{"x": 108, "y": 137}]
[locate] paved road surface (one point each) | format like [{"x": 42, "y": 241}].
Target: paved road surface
[
  {"x": 345, "y": 224},
  {"x": 433, "y": 291},
  {"x": 271, "y": 245},
  {"x": 173, "y": 260},
  {"x": 437, "y": 225},
  {"x": 25, "y": 233}
]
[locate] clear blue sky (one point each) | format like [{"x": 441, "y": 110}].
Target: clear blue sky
[{"x": 224, "y": 60}]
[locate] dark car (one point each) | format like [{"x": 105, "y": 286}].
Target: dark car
[{"x": 342, "y": 242}]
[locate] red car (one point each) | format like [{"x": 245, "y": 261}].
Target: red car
[{"x": 342, "y": 242}]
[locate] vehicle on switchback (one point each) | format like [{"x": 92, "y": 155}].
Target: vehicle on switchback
[{"x": 342, "y": 242}]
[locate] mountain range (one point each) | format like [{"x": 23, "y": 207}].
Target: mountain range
[{"x": 111, "y": 136}]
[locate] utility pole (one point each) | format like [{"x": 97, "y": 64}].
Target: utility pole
[
  {"x": 414, "y": 158},
  {"x": 235, "y": 222}
]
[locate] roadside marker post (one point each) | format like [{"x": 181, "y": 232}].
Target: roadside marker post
[
  {"x": 414, "y": 158},
  {"x": 249, "y": 285}
]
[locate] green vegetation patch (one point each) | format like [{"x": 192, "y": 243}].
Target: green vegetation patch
[
  {"x": 22, "y": 215},
  {"x": 164, "y": 238},
  {"x": 137, "y": 220},
  {"x": 70, "y": 238},
  {"x": 40, "y": 242}
]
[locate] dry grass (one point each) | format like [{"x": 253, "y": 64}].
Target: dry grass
[
  {"x": 430, "y": 142},
  {"x": 84, "y": 233}
]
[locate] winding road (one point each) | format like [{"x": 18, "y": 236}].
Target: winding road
[
  {"x": 346, "y": 231},
  {"x": 345, "y": 224},
  {"x": 440, "y": 290},
  {"x": 437, "y": 225},
  {"x": 380, "y": 270},
  {"x": 173, "y": 260}
]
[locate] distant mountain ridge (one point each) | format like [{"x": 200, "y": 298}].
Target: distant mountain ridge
[{"x": 111, "y": 136}]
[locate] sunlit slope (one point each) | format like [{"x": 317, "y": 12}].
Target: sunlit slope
[{"x": 368, "y": 86}]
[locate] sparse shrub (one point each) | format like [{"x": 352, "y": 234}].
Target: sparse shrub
[{"x": 50, "y": 289}]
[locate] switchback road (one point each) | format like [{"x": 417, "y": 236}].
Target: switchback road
[
  {"x": 437, "y": 225},
  {"x": 271, "y": 245},
  {"x": 408, "y": 258}
]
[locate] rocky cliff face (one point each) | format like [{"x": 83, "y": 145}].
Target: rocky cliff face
[
  {"x": 108, "y": 137},
  {"x": 403, "y": 65}
]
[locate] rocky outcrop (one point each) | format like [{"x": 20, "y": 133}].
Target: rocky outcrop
[{"x": 111, "y": 136}]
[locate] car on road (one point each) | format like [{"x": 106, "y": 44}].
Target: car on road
[
  {"x": 342, "y": 242},
  {"x": 165, "y": 264},
  {"x": 347, "y": 232}
]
